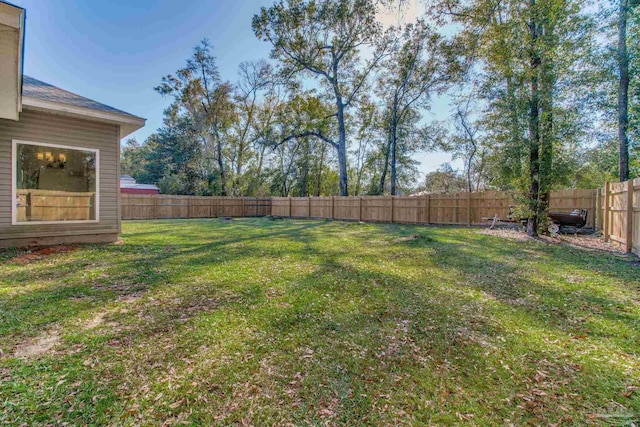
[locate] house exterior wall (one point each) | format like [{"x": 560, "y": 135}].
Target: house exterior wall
[
  {"x": 9, "y": 39},
  {"x": 36, "y": 126},
  {"x": 11, "y": 49}
]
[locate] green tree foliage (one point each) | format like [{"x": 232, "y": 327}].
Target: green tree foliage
[
  {"x": 467, "y": 142},
  {"x": 343, "y": 106},
  {"x": 526, "y": 53},
  {"x": 134, "y": 161},
  {"x": 204, "y": 110},
  {"x": 444, "y": 180},
  {"x": 324, "y": 39},
  {"x": 419, "y": 66}
]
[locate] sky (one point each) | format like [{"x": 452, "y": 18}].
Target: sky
[{"x": 117, "y": 51}]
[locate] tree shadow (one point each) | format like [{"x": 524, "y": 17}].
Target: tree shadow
[{"x": 463, "y": 321}]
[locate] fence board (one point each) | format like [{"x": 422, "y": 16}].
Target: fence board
[
  {"x": 300, "y": 207},
  {"x": 347, "y": 208},
  {"x": 376, "y": 209},
  {"x": 621, "y": 214},
  {"x": 321, "y": 207},
  {"x": 135, "y": 206}
]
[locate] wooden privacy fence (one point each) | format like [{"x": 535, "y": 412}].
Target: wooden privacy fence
[
  {"x": 453, "y": 209},
  {"x": 446, "y": 209},
  {"x": 135, "y": 206},
  {"x": 619, "y": 207}
]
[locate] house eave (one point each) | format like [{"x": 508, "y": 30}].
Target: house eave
[{"x": 128, "y": 124}]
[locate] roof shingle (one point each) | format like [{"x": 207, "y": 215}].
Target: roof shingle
[{"x": 34, "y": 88}]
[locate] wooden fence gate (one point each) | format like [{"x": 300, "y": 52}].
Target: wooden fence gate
[{"x": 619, "y": 207}]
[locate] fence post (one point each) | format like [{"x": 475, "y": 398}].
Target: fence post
[
  {"x": 309, "y": 207},
  {"x": 597, "y": 215},
  {"x": 333, "y": 204},
  {"x": 629, "y": 240},
  {"x": 428, "y": 217},
  {"x": 392, "y": 213},
  {"x": 469, "y": 208},
  {"x": 455, "y": 209},
  {"x": 155, "y": 212},
  {"x": 360, "y": 209},
  {"x": 605, "y": 220},
  {"x": 289, "y": 215}
]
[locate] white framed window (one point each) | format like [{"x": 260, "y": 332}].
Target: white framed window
[{"x": 53, "y": 184}]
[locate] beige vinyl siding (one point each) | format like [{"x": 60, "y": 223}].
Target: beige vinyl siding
[
  {"x": 9, "y": 65},
  {"x": 35, "y": 126}
]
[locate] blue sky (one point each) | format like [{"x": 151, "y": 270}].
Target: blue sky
[{"x": 117, "y": 51}]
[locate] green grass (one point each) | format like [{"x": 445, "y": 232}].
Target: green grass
[{"x": 252, "y": 321}]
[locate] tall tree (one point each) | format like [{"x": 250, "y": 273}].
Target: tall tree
[
  {"x": 368, "y": 143},
  {"x": 420, "y": 65},
  {"x": 524, "y": 47},
  {"x": 324, "y": 39},
  {"x": 290, "y": 140},
  {"x": 201, "y": 96},
  {"x": 622, "y": 59},
  {"x": 467, "y": 142},
  {"x": 255, "y": 78}
]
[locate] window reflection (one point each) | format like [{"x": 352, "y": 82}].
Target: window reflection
[{"x": 55, "y": 183}]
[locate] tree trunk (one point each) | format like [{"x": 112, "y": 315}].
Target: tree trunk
[
  {"x": 318, "y": 190},
  {"x": 394, "y": 149},
  {"x": 223, "y": 175},
  {"x": 546, "y": 142},
  {"x": 238, "y": 172},
  {"x": 393, "y": 165},
  {"x": 623, "y": 92},
  {"x": 385, "y": 167},
  {"x": 546, "y": 163},
  {"x": 472, "y": 155},
  {"x": 304, "y": 179},
  {"x": 342, "y": 139},
  {"x": 469, "y": 188},
  {"x": 534, "y": 125}
]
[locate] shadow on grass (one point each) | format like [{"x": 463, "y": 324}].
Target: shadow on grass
[
  {"x": 463, "y": 321},
  {"x": 111, "y": 271}
]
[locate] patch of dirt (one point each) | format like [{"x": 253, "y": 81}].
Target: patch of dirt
[
  {"x": 130, "y": 298},
  {"x": 41, "y": 253},
  {"x": 509, "y": 233},
  {"x": 5, "y": 374},
  {"x": 589, "y": 242},
  {"x": 572, "y": 278},
  {"x": 96, "y": 321},
  {"x": 413, "y": 238},
  {"x": 125, "y": 287},
  {"x": 408, "y": 238},
  {"x": 38, "y": 346}
]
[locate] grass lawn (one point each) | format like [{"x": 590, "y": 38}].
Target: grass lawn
[{"x": 261, "y": 322}]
